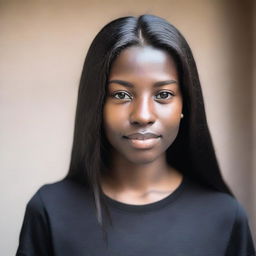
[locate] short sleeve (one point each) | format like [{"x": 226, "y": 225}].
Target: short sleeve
[
  {"x": 240, "y": 243},
  {"x": 34, "y": 237}
]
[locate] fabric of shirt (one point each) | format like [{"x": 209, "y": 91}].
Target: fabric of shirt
[{"x": 60, "y": 219}]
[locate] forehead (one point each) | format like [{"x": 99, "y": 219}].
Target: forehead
[{"x": 144, "y": 60}]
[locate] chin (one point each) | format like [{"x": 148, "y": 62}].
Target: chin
[{"x": 143, "y": 158}]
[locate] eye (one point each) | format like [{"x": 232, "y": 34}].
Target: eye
[
  {"x": 164, "y": 95},
  {"x": 121, "y": 95}
]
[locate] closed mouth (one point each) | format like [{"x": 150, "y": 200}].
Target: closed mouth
[{"x": 142, "y": 136}]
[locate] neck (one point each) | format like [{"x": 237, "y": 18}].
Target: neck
[{"x": 140, "y": 178}]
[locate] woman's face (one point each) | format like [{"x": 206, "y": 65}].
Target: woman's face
[{"x": 143, "y": 107}]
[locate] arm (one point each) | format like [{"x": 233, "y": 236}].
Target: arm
[
  {"x": 35, "y": 239},
  {"x": 240, "y": 243}
]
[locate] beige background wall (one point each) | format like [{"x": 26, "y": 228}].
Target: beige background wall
[
  {"x": 42, "y": 49},
  {"x": 254, "y": 119}
]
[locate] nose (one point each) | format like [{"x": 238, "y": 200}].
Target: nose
[{"x": 143, "y": 112}]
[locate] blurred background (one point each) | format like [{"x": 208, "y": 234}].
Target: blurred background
[{"x": 42, "y": 47}]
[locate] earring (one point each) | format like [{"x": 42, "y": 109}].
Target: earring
[{"x": 181, "y": 116}]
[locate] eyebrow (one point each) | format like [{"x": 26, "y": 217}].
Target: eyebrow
[{"x": 130, "y": 85}]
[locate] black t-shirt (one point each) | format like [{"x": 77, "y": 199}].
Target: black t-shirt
[{"x": 192, "y": 221}]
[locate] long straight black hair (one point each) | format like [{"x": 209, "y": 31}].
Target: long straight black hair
[{"x": 192, "y": 152}]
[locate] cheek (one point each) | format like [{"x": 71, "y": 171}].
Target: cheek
[
  {"x": 108, "y": 119},
  {"x": 112, "y": 118},
  {"x": 171, "y": 120},
  {"x": 171, "y": 111}
]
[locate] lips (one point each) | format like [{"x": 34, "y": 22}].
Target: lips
[
  {"x": 142, "y": 136},
  {"x": 143, "y": 141}
]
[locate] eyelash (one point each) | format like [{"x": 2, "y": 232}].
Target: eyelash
[{"x": 122, "y": 92}]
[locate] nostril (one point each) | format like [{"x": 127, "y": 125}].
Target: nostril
[{"x": 142, "y": 122}]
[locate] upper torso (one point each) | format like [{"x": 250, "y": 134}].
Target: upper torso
[{"x": 191, "y": 221}]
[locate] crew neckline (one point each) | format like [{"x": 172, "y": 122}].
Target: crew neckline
[{"x": 150, "y": 206}]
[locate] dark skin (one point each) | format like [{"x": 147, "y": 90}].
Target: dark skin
[{"x": 143, "y": 96}]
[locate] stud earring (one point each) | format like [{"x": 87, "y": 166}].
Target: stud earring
[{"x": 181, "y": 116}]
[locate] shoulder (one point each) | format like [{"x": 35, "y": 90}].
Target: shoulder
[
  {"x": 223, "y": 212},
  {"x": 57, "y": 195},
  {"x": 216, "y": 203},
  {"x": 60, "y": 187}
]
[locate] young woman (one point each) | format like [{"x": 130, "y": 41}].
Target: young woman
[{"x": 143, "y": 178}]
